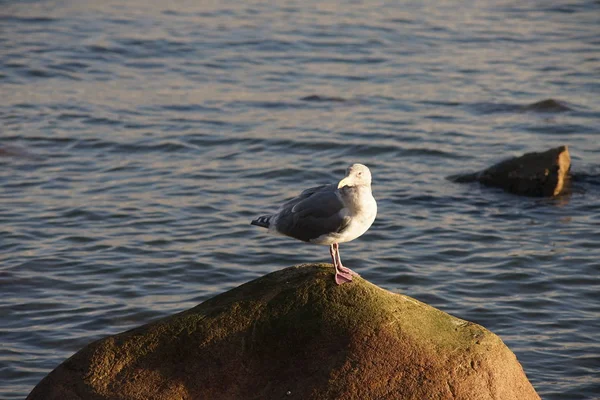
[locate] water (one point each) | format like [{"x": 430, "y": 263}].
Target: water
[{"x": 139, "y": 139}]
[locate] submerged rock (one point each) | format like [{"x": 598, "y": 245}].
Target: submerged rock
[
  {"x": 15, "y": 151},
  {"x": 295, "y": 334},
  {"x": 316, "y": 97},
  {"x": 548, "y": 105},
  {"x": 542, "y": 174}
]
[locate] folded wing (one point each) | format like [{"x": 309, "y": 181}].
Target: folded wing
[{"x": 315, "y": 212}]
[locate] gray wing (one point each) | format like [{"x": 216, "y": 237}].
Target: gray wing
[
  {"x": 306, "y": 194},
  {"x": 315, "y": 212}
]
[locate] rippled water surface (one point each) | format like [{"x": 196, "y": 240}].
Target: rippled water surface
[{"x": 139, "y": 139}]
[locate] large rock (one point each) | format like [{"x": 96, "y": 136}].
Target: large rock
[
  {"x": 295, "y": 334},
  {"x": 542, "y": 174}
]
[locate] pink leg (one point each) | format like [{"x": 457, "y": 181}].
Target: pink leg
[
  {"x": 341, "y": 275},
  {"x": 332, "y": 252},
  {"x": 339, "y": 261}
]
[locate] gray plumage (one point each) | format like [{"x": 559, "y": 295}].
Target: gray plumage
[
  {"x": 324, "y": 214},
  {"x": 314, "y": 213}
]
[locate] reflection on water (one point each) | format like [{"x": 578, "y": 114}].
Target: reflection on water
[{"x": 139, "y": 139}]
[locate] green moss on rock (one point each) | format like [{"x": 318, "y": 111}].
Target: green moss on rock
[{"x": 295, "y": 334}]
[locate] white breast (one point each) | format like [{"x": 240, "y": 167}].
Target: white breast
[{"x": 360, "y": 221}]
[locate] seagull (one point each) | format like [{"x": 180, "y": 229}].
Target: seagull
[{"x": 328, "y": 215}]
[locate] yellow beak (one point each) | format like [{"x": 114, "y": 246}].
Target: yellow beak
[{"x": 344, "y": 182}]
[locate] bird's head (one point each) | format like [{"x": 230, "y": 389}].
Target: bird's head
[{"x": 356, "y": 175}]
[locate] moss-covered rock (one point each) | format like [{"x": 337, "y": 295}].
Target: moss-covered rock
[
  {"x": 543, "y": 174},
  {"x": 296, "y": 334}
]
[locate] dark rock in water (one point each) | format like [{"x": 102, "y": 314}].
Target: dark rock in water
[
  {"x": 533, "y": 174},
  {"x": 14, "y": 151},
  {"x": 296, "y": 334},
  {"x": 315, "y": 97},
  {"x": 548, "y": 105}
]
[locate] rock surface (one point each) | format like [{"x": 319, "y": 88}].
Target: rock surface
[
  {"x": 542, "y": 174},
  {"x": 294, "y": 334}
]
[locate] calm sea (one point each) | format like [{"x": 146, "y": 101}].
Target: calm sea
[{"x": 139, "y": 138}]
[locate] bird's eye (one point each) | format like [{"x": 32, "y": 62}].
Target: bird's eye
[{"x": 359, "y": 174}]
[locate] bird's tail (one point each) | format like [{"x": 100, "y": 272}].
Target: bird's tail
[{"x": 262, "y": 221}]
